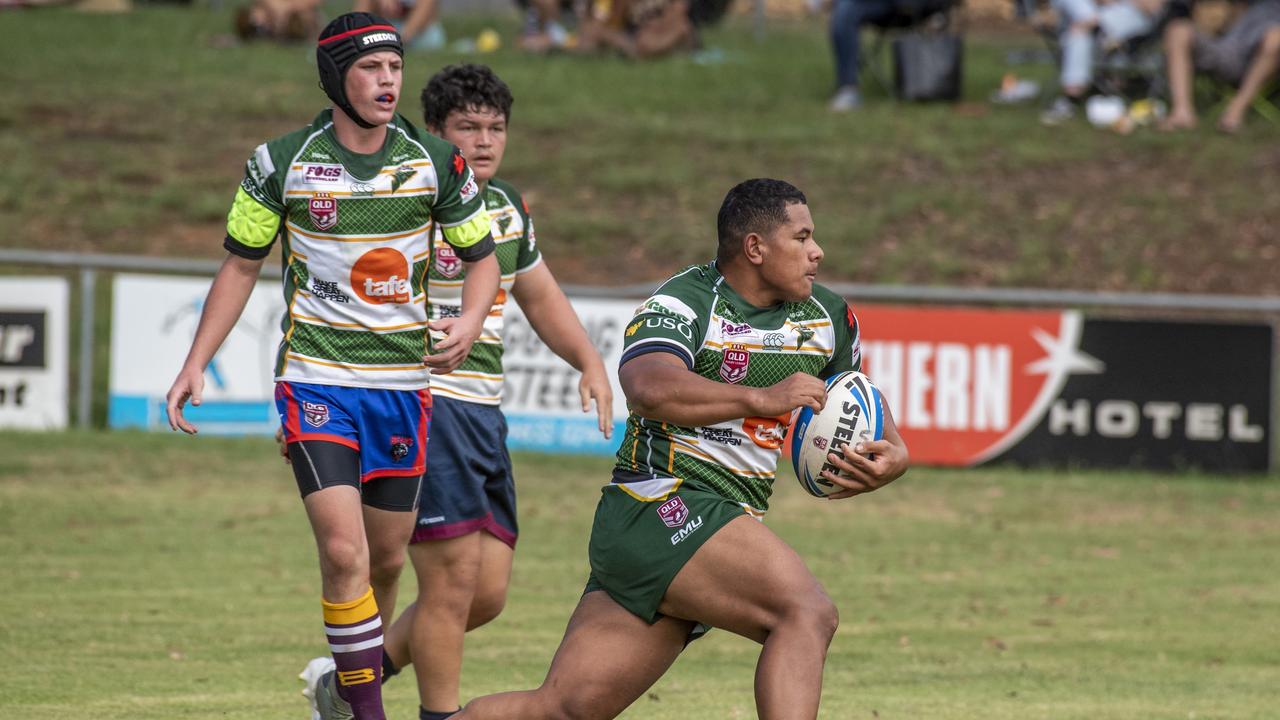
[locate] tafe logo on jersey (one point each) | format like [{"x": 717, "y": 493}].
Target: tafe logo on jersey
[
  {"x": 323, "y": 210},
  {"x": 316, "y": 414},
  {"x": 447, "y": 262},
  {"x": 729, "y": 329},
  {"x": 767, "y": 432},
  {"x": 322, "y": 173},
  {"x": 381, "y": 276},
  {"x": 673, "y": 512},
  {"x": 733, "y": 368}
]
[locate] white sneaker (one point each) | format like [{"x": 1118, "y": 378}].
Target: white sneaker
[
  {"x": 326, "y": 704},
  {"x": 846, "y": 99}
]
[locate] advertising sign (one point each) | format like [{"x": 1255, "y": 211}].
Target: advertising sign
[
  {"x": 153, "y": 321},
  {"x": 541, "y": 399},
  {"x": 1051, "y": 387},
  {"x": 33, "y": 353}
]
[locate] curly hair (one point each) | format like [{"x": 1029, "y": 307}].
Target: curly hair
[
  {"x": 464, "y": 87},
  {"x": 753, "y": 206}
]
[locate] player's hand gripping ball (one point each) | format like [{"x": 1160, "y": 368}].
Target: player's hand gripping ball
[{"x": 854, "y": 412}]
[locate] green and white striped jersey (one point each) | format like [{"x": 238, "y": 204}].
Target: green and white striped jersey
[
  {"x": 720, "y": 336},
  {"x": 479, "y": 378},
  {"x": 355, "y": 235}
]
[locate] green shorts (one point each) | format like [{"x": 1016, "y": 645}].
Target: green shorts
[{"x": 645, "y": 532}]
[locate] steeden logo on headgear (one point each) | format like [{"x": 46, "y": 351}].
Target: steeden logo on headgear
[{"x": 372, "y": 38}]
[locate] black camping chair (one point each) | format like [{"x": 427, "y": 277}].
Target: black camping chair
[{"x": 913, "y": 15}]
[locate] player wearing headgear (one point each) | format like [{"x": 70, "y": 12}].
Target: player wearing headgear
[
  {"x": 353, "y": 199},
  {"x": 464, "y": 544},
  {"x": 712, "y": 365}
]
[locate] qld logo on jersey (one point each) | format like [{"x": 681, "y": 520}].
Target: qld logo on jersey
[
  {"x": 733, "y": 368},
  {"x": 381, "y": 276},
  {"x": 323, "y": 209},
  {"x": 469, "y": 190},
  {"x": 316, "y": 414},
  {"x": 448, "y": 264},
  {"x": 673, "y": 512}
]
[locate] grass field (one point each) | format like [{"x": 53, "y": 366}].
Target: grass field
[
  {"x": 160, "y": 577},
  {"x": 128, "y": 133}
]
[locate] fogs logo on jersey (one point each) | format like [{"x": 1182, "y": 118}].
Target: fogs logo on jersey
[
  {"x": 316, "y": 414},
  {"x": 673, "y": 512},
  {"x": 322, "y": 174},
  {"x": 323, "y": 209},
  {"x": 965, "y": 385},
  {"x": 381, "y": 276},
  {"x": 447, "y": 262},
  {"x": 733, "y": 368}
]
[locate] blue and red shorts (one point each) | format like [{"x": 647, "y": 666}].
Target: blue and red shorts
[{"x": 387, "y": 427}]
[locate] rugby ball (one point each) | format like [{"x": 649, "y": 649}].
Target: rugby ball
[{"x": 854, "y": 411}]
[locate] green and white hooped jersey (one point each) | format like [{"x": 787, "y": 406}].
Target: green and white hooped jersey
[
  {"x": 356, "y": 235},
  {"x": 697, "y": 317},
  {"x": 479, "y": 378}
]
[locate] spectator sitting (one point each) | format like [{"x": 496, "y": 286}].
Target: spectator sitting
[
  {"x": 1246, "y": 56},
  {"x": 637, "y": 28},
  {"x": 847, "y": 19},
  {"x": 417, "y": 20},
  {"x": 543, "y": 30},
  {"x": 1084, "y": 23},
  {"x": 289, "y": 20}
]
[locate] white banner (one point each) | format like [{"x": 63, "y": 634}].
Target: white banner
[
  {"x": 153, "y": 321},
  {"x": 541, "y": 397},
  {"x": 33, "y": 353}
]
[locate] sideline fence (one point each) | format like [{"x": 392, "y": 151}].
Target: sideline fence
[{"x": 88, "y": 265}]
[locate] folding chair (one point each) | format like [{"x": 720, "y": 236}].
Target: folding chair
[
  {"x": 1216, "y": 93},
  {"x": 1132, "y": 69},
  {"x": 935, "y": 15}
]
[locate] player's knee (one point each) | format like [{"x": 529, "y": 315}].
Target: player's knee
[
  {"x": 343, "y": 557},
  {"x": 485, "y": 608},
  {"x": 813, "y": 613}
]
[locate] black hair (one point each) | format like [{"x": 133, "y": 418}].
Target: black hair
[
  {"x": 753, "y": 206},
  {"x": 464, "y": 87}
]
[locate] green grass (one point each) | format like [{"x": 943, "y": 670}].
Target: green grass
[
  {"x": 128, "y": 133},
  {"x": 155, "y": 576}
]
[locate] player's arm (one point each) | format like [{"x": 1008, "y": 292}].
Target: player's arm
[
  {"x": 226, "y": 300},
  {"x": 660, "y": 386},
  {"x": 252, "y": 226},
  {"x": 479, "y": 288},
  {"x": 459, "y": 209},
  {"x": 555, "y": 322}
]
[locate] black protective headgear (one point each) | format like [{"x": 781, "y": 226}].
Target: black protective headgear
[{"x": 343, "y": 40}]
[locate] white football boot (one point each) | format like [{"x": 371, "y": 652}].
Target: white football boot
[{"x": 326, "y": 704}]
